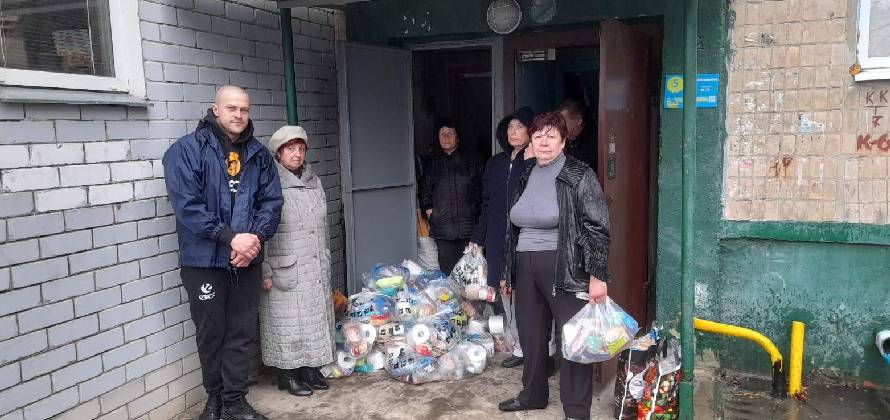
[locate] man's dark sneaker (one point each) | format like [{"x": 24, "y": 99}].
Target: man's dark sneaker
[
  {"x": 577, "y": 418},
  {"x": 212, "y": 408},
  {"x": 240, "y": 409},
  {"x": 512, "y": 362}
]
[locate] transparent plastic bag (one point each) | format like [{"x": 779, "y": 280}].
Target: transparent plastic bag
[
  {"x": 463, "y": 361},
  {"x": 483, "y": 293},
  {"x": 354, "y": 338},
  {"x": 433, "y": 337},
  {"x": 484, "y": 340},
  {"x": 442, "y": 291},
  {"x": 370, "y": 307},
  {"x": 412, "y": 368},
  {"x": 471, "y": 268},
  {"x": 343, "y": 366},
  {"x": 424, "y": 278},
  {"x": 391, "y": 331},
  {"x": 414, "y": 270},
  {"x": 477, "y": 357},
  {"x": 387, "y": 279},
  {"x": 598, "y": 332},
  {"x": 411, "y": 303},
  {"x": 503, "y": 343}
]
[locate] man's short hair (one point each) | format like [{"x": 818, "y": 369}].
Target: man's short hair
[
  {"x": 228, "y": 88},
  {"x": 574, "y": 107}
]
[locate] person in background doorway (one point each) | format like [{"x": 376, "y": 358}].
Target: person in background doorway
[
  {"x": 450, "y": 194},
  {"x": 225, "y": 193},
  {"x": 557, "y": 245},
  {"x": 581, "y": 132},
  {"x": 296, "y": 312},
  {"x": 498, "y": 183}
]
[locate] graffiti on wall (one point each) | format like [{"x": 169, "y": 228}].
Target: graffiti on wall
[{"x": 877, "y": 102}]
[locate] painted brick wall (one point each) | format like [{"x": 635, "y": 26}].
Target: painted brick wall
[
  {"x": 93, "y": 320},
  {"x": 802, "y": 142}
]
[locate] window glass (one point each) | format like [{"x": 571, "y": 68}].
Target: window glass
[
  {"x": 879, "y": 29},
  {"x": 62, "y": 36}
]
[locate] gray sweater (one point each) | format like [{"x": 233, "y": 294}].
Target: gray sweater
[{"x": 536, "y": 212}]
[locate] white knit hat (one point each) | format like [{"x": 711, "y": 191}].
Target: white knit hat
[{"x": 286, "y": 134}]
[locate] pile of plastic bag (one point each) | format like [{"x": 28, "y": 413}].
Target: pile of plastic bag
[{"x": 419, "y": 325}]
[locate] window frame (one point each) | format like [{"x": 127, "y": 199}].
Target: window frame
[
  {"x": 872, "y": 68},
  {"x": 129, "y": 75}
]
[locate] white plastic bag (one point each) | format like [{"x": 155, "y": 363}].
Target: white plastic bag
[
  {"x": 598, "y": 332},
  {"x": 471, "y": 269}
]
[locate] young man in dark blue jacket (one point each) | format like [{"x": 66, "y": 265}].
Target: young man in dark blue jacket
[{"x": 225, "y": 192}]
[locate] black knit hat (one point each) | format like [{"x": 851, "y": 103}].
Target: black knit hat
[{"x": 525, "y": 115}]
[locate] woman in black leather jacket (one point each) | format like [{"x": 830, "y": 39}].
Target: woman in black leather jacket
[
  {"x": 557, "y": 245},
  {"x": 450, "y": 195}
]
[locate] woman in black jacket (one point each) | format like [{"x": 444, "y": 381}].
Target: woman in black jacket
[
  {"x": 557, "y": 246},
  {"x": 450, "y": 193}
]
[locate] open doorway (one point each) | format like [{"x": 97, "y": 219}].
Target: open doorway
[
  {"x": 453, "y": 83},
  {"x": 612, "y": 71}
]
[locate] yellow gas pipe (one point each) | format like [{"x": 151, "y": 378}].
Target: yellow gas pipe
[
  {"x": 795, "y": 362},
  {"x": 795, "y": 368},
  {"x": 749, "y": 334}
]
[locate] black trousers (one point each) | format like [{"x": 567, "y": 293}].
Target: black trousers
[
  {"x": 450, "y": 252},
  {"x": 536, "y": 308},
  {"x": 224, "y": 307}
]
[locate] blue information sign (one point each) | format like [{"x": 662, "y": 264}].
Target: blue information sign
[{"x": 707, "y": 88}]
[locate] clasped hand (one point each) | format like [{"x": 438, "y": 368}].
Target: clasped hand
[{"x": 245, "y": 247}]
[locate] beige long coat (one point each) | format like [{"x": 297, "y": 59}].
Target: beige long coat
[{"x": 297, "y": 315}]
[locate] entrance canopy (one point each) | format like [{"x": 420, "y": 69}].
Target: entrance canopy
[{"x": 314, "y": 3}]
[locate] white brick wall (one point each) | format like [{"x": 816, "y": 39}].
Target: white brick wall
[
  {"x": 93, "y": 321},
  {"x": 803, "y": 143}
]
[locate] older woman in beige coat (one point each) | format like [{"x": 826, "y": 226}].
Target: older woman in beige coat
[{"x": 296, "y": 312}]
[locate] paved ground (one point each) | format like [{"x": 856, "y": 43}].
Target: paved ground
[
  {"x": 378, "y": 397},
  {"x": 746, "y": 398}
]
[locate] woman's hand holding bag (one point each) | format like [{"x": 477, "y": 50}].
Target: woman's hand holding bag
[{"x": 598, "y": 291}]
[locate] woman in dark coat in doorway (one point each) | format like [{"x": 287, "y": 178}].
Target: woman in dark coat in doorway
[{"x": 449, "y": 195}]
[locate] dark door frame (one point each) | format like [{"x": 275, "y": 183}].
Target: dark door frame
[{"x": 536, "y": 40}]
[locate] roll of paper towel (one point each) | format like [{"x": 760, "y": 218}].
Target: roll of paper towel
[
  {"x": 477, "y": 326},
  {"x": 345, "y": 361},
  {"x": 370, "y": 333},
  {"x": 496, "y": 324},
  {"x": 377, "y": 359},
  {"x": 477, "y": 356},
  {"x": 420, "y": 333}
]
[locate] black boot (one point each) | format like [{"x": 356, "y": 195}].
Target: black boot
[
  {"x": 512, "y": 362},
  {"x": 287, "y": 379},
  {"x": 513, "y": 404},
  {"x": 313, "y": 377},
  {"x": 213, "y": 408},
  {"x": 240, "y": 409}
]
